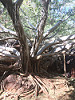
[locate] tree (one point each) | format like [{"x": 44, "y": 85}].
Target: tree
[
  {"x": 30, "y": 58},
  {"x": 29, "y": 64},
  {"x": 13, "y": 9},
  {"x": 27, "y": 59}
]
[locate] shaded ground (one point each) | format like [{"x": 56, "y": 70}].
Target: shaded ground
[{"x": 59, "y": 88}]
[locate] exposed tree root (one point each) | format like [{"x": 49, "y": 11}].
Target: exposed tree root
[
  {"x": 41, "y": 84},
  {"x": 18, "y": 87},
  {"x": 38, "y": 78},
  {"x": 28, "y": 95}
]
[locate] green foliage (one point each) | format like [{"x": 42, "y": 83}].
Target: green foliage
[
  {"x": 30, "y": 14},
  {"x": 5, "y": 19},
  {"x": 60, "y": 10}
]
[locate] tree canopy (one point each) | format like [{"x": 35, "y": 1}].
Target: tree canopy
[{"x": 30, "y": 13}]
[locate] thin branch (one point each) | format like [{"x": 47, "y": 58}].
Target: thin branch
[
  {"x": 29, "y": 27},
  {"x": 52, "y": 36},
  {"x": 33, "y": 27},
  {"x": 8, "y": 33},
  {"x": 53, "y": 28},
  {"x": 56, "y": 25}
]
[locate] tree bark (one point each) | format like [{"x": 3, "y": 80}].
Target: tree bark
[
  {"x": 41, "y": 27},
  {"x": 13, "y": 9}
]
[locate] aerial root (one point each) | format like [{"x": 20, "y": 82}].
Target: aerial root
[
  {"x": 40, "y": 84},
  {"x": 40, "y": 87}
]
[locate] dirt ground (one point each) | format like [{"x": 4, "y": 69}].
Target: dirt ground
[{"x": 60, "y": 88}]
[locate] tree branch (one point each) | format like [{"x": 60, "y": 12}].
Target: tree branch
[
  {"x": 51, "y": 36},
  {"x": 18, "y": 3},
  {"x": 72, "y": 37},
  {"x": 53, "y": 28},
  {"x": 7, "y": 30},
  {"x": 8, "y": 39},
  {"x": 8, "y": 33},
  {"x": 60, "y": 52},
  {"x": 56, "y": 25},
  {"x": 42, "y": 23},
  {"x": 8, "y": 49},
  {"x": 14, "y": 14}
]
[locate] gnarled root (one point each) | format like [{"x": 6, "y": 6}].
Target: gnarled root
[{"x": 23, "y": 86}]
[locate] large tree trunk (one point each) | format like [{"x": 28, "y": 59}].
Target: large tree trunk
[
  {"x": 13, "y": 9},
  {"x": 41, "y": 26},
  {"x": 21, "y": 35}
]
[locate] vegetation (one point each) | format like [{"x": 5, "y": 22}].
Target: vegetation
[{"x": 35, "y": 23}]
